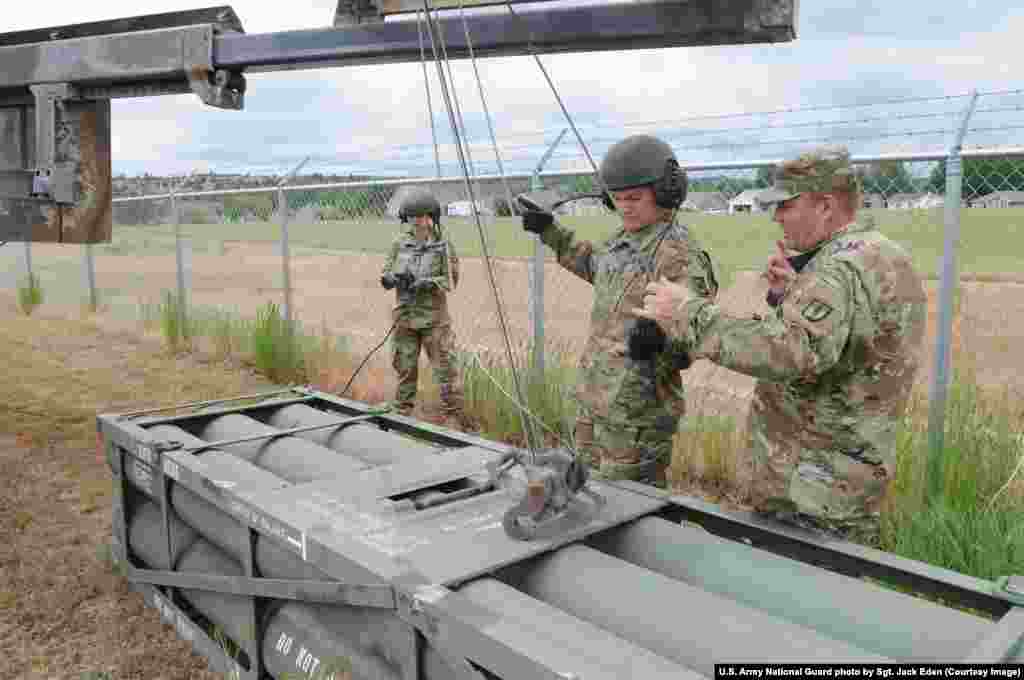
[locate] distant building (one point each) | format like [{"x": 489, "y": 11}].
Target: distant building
[
  {"x": 465, "y": 209},
  {"x": 746, "y": 202},
  {"x": 916, "y": 201},
  {"x": 873, "y": 201},
  {"x": 1000, "y": 199},
  {"x": 706, "y": 202},
  {"x": 588, "y": 207}
]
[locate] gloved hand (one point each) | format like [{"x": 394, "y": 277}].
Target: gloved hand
[
  {"x": 606, "y": 198},
  {"x": 404, "y": 280},
  {"x": 645, "y": 339},
  {"x": 536, "y": 221},
  {"x": 387, "y": 281}
]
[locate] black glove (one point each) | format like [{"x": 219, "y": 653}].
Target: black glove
[
  {"x": 388, "y": 281},
  {"x": 645, "y": 339},
  {"x": 536, "y": 221},
  {"x": 606, "y": 198},
  {"x": 404, "y": 280}
]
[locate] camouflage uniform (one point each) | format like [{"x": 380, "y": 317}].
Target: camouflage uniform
[
  {"x": 629, "y": 410},
  {"x": 836, "y": 360},
  {"x": 421, "y": 316}
]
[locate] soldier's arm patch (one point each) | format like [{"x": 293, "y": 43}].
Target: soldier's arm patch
[{"x": 816, "y": 310}]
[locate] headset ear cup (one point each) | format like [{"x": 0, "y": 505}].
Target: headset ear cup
[{"x": 670, "y": 190}]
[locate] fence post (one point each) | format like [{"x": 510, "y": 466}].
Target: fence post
[
  {"x": 28, "y": 260},
  {"x": 286, "y": 262},
  {"x": 537, "y": 271},
  {"x": 90, "y": 275},
  {"x": 942, "y": 365},
  {"x": 179, "y": 259},
  {"x": 537, "y": 295}
]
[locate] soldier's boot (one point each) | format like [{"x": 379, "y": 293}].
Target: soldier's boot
[
  {"x": 405, "y": 397},
  {"x": 451, "y": 405},
  {"x": 645, "y": 459},
  {"x": 583, "y": 436},
  {"x": 649, "y": 472},
  {"x": 863, "y": 530}
]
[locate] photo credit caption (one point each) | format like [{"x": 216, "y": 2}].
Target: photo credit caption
[{"x": 756, "y": 671}]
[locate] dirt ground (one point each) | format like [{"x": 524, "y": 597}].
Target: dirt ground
[
  {"x": 341, "y": 292},
  {"x": 63, "y": 610}
]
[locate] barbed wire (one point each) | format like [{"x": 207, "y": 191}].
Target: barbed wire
[
  {"x": 362, "y": 151},
  {"x": 522, "y": 148}
]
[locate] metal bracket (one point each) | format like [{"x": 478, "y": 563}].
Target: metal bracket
[
  {"x": 353, "y": 12},
  {"x": 215, "y": 87},
  {"x": 411, "y": 608},
  {"x": 54, "y": 178},
  {"x": 1010, "y": 588},
  {"x": 552, "y": 501},
  {"x": 376, "y": 596},
  {"x": 1000, "y": 643}
]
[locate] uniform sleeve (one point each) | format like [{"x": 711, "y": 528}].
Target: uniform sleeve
[
  {"x": 682, "y": 261},
  {"x": 389, "y": 261},
  {"x": 573, "y": 254},
  {"x": 803, "y": 337}
]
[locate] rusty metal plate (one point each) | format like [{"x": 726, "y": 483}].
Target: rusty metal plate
[
  {"x": 82, "y": 170},
  {"x": 90, "y": 219}
]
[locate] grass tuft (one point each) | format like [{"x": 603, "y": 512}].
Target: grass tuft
[
  {"x": 489, "y": 389},
  {"x": 30, "y": 294}
]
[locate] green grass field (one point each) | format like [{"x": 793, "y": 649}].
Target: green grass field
[{"x": 991, "y": 242}]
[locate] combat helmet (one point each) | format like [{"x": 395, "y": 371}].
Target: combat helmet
[
  {"x": 420, "y": 202},
  {"x": 641, "y": 160}
]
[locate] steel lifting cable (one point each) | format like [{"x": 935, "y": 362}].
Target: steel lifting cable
[
  {"x": 579, "y": 138},
  {"x": 487, "y": 113},
  {"x": 458, "y": 109},
  {"x": 508, "y": 194},
  {"x": 454, "y": 95},
  {"x": 431, "y": 21},
  {"x": 426, "y": 84},
  {"x": 565, "y": 112},
  {"x": 464, "y": 144}
]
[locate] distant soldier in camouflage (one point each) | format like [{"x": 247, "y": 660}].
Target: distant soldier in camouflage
[
  {"x": 836, "y": 358},
  {"x": 423, "y": 266},
  {"x": 629, "y": 408}
]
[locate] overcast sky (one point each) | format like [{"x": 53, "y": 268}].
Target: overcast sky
[{"x": 849, "y": 53}]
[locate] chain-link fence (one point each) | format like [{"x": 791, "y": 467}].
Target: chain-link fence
[{"x": 315, "y": 242}]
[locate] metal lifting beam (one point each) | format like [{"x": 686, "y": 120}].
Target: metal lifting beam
[
  {"x": 148, "y": 51},
  {"x": 644, "y": 24}
]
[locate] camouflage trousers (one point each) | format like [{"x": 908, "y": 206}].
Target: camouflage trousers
[
  {"x": 438, "y": 342},
  {"x": 864, "y": 530},
  {"x": 618, "y": 451}
]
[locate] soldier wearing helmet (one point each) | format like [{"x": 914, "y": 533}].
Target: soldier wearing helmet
[
  {"x": 835, "y": 360},
  {"x": 629, "y": 407},
  {"x": 423, "y": 268}
]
